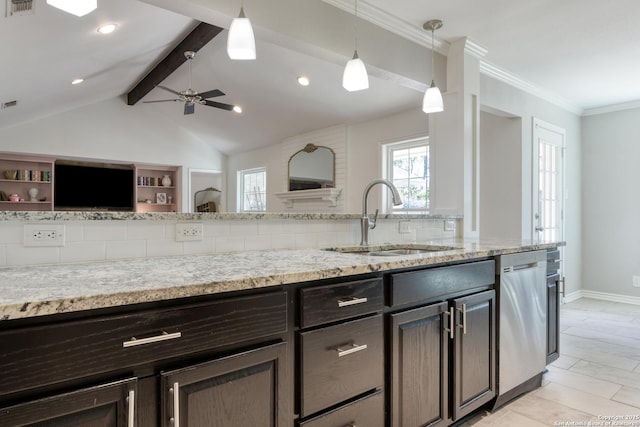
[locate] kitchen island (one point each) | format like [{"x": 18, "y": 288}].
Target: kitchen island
[{"x": 291, "y": 337}]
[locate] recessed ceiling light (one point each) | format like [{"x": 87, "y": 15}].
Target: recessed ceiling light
[
  {"x": 76, "y": 81},
  {"x": 237, "y": 109},
  {"x": 303, "y": 81},
  {"x": 107, "y": 28}
]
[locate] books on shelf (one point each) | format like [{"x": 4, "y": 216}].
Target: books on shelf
[
  {"x": 150, "y": 181},
  {"x": 28, "y": 175}
]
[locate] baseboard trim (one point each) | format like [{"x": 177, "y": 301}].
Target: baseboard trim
[{"x": 573, "y": 296}]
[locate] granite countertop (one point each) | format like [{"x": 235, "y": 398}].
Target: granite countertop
[{"x": 49, "y": 289}]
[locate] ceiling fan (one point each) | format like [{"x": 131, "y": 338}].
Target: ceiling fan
[{"x": 190, "y": 97}]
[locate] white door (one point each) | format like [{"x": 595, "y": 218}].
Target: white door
[{"x": 548, "y": 182}]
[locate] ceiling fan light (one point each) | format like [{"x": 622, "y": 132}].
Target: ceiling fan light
[
  {"x": 432, "y": 101},
  {"x": 355, "y": 75},
  {"x": 237, "y": 109},
  {"x": 75, "y": 7},
  {"x": 240, "y": 43}
]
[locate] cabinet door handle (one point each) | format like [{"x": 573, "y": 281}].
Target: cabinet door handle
[
  {"x": 175, "y": 390},
  {"x": 353, "y": 349},
  {"x": 463, "y": 325},
  {"x": 450, "y": 314},
  {"x": 346, "y": 302},
  {"x": 142, "y": 341},
  {"x": 131, "y": 408}
]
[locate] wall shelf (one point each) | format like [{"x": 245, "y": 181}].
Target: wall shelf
[{"x": 329, "y": 195}]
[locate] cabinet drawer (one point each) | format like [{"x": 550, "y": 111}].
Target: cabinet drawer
[
  {"x": 43, "y": 355},
  {"x": 415, "y": 286},
  {"x": 341, "y": 301},
  {"x": 340, "y": 362},
  {"x": 368, "y": 411}
]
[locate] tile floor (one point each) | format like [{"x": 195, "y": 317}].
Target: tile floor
[{"x": 597, "y": 375}]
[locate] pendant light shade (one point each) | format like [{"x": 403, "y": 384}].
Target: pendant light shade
[
  {"x": 355, "y": 75},
  {"x": 241, "y": 44},
  {"x": 75, "y": 7},
  {"x": 432, "y": 101}
]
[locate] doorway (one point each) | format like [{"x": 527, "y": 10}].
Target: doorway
[{"x": 548, "y": 182}]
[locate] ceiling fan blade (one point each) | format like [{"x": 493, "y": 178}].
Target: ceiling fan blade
[
  {"x": 161, "y": 100},
  {"x": 211, "y": 93},
  {"x": 189, "y": 108},
  {"x": 169, "y": 90},
  {"x": 219, "y": 105}
]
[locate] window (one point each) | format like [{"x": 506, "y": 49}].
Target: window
[
  {"x": 252, "y": 190},
  {"x": 407, "y": 166}
]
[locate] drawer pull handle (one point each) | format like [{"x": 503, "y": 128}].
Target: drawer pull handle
[
  {"x": 142, "y": 341},
  {"x": 353, "y": 349},
  {"x": 346, "y": 302},
  {"x": 131, "y": 407}
]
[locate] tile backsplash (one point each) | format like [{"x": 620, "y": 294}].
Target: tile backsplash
[{"x": 104, "y": 240}]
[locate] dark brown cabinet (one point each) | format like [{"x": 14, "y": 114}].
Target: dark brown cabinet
[
  {"x": 553, "y": 305},
  {"x": 474, "y": 349},
  {"x": 242, "y": 390},
  {"x": 224, "y": 361},
  {"x": 442, "y": 356},
  {"x": 341, "y": 354},
  {"x": 108, "y": 405},
  {"x": 419, "y": 361}
]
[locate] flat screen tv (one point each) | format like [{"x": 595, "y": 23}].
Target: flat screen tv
[{"x": 93, "y": 187}]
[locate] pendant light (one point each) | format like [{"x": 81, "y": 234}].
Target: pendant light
[
  {"x": 432, "y": 101},
  {"x": 240, "y": 43},
  {"x": 355, "y": 73},
  {"x": 75, "y": 7}
]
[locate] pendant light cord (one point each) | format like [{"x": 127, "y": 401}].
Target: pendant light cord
[
  {"x": 355, "y": 26},
  {"x": 432, "y": 53}
]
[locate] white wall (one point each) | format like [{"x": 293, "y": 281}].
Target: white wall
[
  {"x": 364, "y": 158},
  {"x": 111, "y": 130},
  {"x": 611, "y": 222},
  {"x": 500, "y": 181},
  {"x": 502, "y": 97},
  {"x": 360, "y": 165}
]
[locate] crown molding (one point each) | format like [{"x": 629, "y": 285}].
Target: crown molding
[
  {"x": 417, "y": 35},
  {"x": 612, "y": 108},
  {"x": 392, "y": 23}
]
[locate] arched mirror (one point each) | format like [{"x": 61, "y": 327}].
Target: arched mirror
[
  {"x": 312, "y": 167},
  {"x": 207, "y": 200}
]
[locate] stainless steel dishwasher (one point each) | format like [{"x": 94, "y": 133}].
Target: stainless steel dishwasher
[{"x": 522, "y": 320}]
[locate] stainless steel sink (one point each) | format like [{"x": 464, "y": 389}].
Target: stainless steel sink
[{"x": 394, "y": 250}]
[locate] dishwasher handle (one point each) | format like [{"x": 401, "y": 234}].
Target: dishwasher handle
[{"x": 520, "y": 267}]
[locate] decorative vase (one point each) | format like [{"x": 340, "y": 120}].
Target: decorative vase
[
  {"x": 33, "y": 194},
  {"x": 166, "y": 181}
]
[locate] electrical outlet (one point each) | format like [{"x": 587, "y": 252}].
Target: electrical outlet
[
  {"x": 44, "y": 235},
  {"x": 636, "y": 281},
  {"x": 189, "y": 231},
  {"x": 404, "y": 227},
  {"x": 449, "y": 225}
]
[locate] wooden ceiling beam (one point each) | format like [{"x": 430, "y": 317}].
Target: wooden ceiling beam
[{"x": 200, "y": 36}]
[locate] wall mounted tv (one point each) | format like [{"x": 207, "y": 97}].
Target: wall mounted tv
[{"x": 93, "y": 186}]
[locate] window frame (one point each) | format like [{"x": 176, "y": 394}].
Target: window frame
[
  {"x": 387, "y": 167},
  {"x": 241, "y": 193}
]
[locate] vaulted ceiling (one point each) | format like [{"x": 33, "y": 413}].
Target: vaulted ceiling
[{"x": 582, "y": 53}]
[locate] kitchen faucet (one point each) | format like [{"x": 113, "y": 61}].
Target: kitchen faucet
[{"x": 366, "y": 223}]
